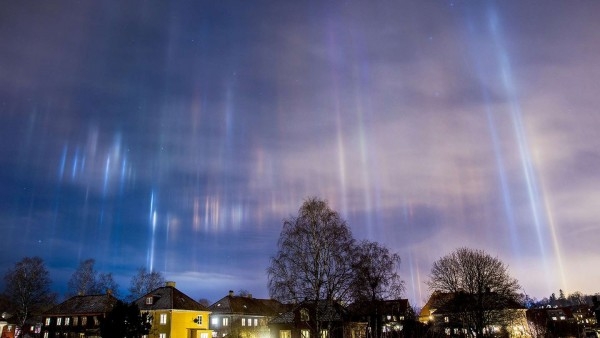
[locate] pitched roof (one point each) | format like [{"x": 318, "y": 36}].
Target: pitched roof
[
  {"x": 452, "y": 302},
  {"x": 80, "y": 305},
  {"x": 433, "y": 303},
  {"x": 169, "y": 298},
  {"x": 246, "y": 305}
]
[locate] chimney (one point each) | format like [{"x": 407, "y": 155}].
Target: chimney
[
  {"x": 230, "y": 293},
  {"x": 170, "y": 284}
]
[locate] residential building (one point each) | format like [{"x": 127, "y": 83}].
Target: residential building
[
  {"x": 562, "y": 321},
  {"x": 449, "y": 314},
  {"x": 7, "y": 319},
  {"x": 7, "y": 329},
  {"x": 302, "y": 320},
  {"x": 78, "y": 316},
  {"x": 243, "y": 316},
  {"x": 385, "y": 318},
  {"x": 174, "y": 314}
]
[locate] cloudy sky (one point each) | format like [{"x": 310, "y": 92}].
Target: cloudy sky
[{"x": 178, "y": 135}]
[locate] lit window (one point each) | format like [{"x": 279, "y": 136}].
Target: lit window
[
  {"x": 96, "y": 321},
  {"x": 84, "y": 321},
  {"x": 324, "y": 333},
  {"x": 304, "y": 333},
  {"x": 214, "y": 321},
  {"x": 562, "y": 317},
  {"x": 255, "y": 321},
  {"x": 243, "y": 321},
  {"x": 225, "y": 321},
  {"x": 75, "y": 321},
  {"x": 47, "y": 321},
  {"x": 163, "y": 318},
  {"x": 59, "y": 321},
  {"x": 203, "y": 335},
  {"x": 401, "y": 317},
  {"x": 67, "y": 320},
  {"x": 285, "y": 334},
  {"x": 446, "y": 319},
  {"x": 162, "y": 335},
  {"x": 46, "y": 334},
  {"x": 553, "y": 318},
  {"x": 149, "y": 300}
]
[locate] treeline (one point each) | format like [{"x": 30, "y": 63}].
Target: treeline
[{"x": 575, "y": 298}]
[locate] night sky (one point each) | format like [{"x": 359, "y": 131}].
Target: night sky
[{"x": 178, "y": 135}]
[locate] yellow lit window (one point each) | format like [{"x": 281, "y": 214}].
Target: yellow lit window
[{"x": 285, "y": 334}]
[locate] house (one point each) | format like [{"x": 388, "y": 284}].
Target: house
[
  {"x": 7, "y": 318},
  {"x": 302, "y": 321},
  {"x": 584, "y": 315},
  {"x": 386, "y": 318},
  {"x": 174, "y": 314},
  {"x": 7, "y": 327},
  {"x": 557, "y": 321},
  {"x": 242, "y": 316},
  {"x": 449, "y": 314},
  {"x": 78, "y": 316}
]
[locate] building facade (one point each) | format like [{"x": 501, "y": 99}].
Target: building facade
[
  {"x": 243, "y": 316},
  {"x": 174, "y": 314},
  {"x": 333, "y": 320},
  {"x": 448, "y": 314},
  {"x": 77, "y": 317}
]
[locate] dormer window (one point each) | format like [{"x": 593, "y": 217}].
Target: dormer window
[{"x": 149, "y": 300}]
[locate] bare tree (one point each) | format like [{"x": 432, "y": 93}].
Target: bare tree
[
  {"x": 106, "y": 283},
  {"x": 376, "y": 279},
  {"x": 376, "y": 273},
  {"x": 86, "y": 280},
  {"x": 576, "y": 298},
  {"x": 481, "y": 286},
  {"x": 83, "y": 280},
  {"x": 143, "y": 282},
  {"x": 28, "y": 288},
  {"x": 313, "y": 261}
]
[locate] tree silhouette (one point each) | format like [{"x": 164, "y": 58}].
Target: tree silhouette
[
  {"x": 27, "y": 287},
  {"x": 126, "y": 321},
  {"x": 143, "y": 282},
  {"x": 313, "y": 261},
  {"x": 480, "y": 285}
]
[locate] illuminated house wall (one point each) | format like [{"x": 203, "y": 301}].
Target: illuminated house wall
[
  {"x": 242, "y": 316},
  {"x": 174, "y": 314}
]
